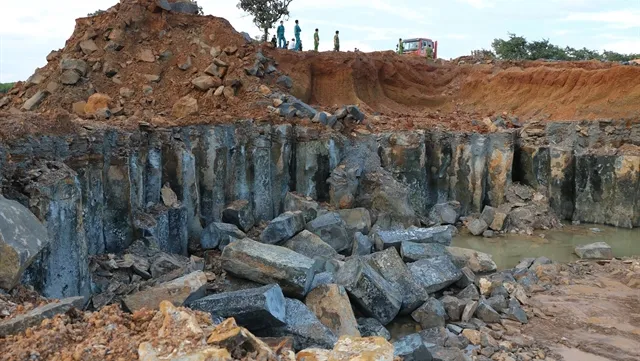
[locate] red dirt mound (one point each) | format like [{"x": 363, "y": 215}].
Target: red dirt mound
[{"x": 145, "y": 59}]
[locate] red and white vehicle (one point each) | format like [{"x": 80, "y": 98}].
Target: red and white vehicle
[{"x": 418, "y": 47}]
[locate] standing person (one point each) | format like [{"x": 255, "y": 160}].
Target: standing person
[
  {"x": 316, "y": 40},
  {"x": 336, "y": 41},
  {"x": 282, "y": 43},
  {"x": 296, "y": 31},
  {"x": 429, "y": 52},
  {"x": 400, "y": 47}
]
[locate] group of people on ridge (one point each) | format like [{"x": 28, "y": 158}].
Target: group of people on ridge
[{"x": 296, "y": 44}]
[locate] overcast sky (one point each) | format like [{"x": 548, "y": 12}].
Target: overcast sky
[{"x": 29, "y": 29}]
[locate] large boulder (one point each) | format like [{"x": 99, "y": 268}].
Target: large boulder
[
  {"x": 253, "y": 308},
  {"x": 330, "y": 303},
  {"x": 332, "y": 229},
  {"x": 303, "y": 326},
  {"x": 219, "y": 235},
  {"x": 356, "y": 220},
  {"x": 240, "y": 214},
  {"x": 283, "y": 227},
  {"x": 411, "y": 348},
  {"x": 435, "y": 274},
  {"x": 371, "y": 327},
  {"x": 362, "y": 245},
  {"x": 412, "y": 252},
  {"x": 445, "y": 213},
  {"x": 478, "y": 262},
  {"x": 384, "y": 239},
  {"x": 390, "y": 266},
  {"x": 454, "y": 307},
  {"x": 598, "y": 250},
  {"x": 477, "y": 226},
  {"x": 373, "y": 293},
  {"x": 430, "y": 314},
  {"x": 179, "y": 291},
  {"x": 22, "y": 237},
  {"x": 486, "y": 313},
  {"x": 351, "y": 349},
  {"x": 267, "y": 264},
  {"x": 34, "y": 317},
  {"x": 310, "y": 245},
  {"x": 310, "y": 209}
]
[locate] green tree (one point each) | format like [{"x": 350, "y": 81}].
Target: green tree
[
  {"x": 5, "y": 87},
  {"x": 513, "y": 49},
  {"x": 96, "y": 13},
  {"x": 266, "y": 12}
]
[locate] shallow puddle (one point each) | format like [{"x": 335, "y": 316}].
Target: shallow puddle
[{"x": 558, "y": 245}]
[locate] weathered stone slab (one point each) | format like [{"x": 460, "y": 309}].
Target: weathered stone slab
[
  {"x": 412, "y": 252},
  {"x": 362, "y": 245},
  {"x": 310, "y": 209},
  {"x": 390, "y": 266},
  {"x": 445, "y": 213},
  {"x": 375, "y": 295},
  {"x": 454, "y": 307},
  {"x": 430, "y": 314},
  {"x": 598, "y": 250},
  {"x": 267, "y": 264},
  {"x": 356, "y": 220},
  {"x": 332, "y": 229},
  {"x": 253, "y": 308},
  {"x": 305, "y": 328},
  {"x": 394, "y": 238},
  {"x": 435, "y": 274},
  {"x": 178, "y": 292},
  {"x": 239, "y": 213},
  {"x": 411, "y": 348},
  {"x": 330, "y": 303},
  {"x": 310, "y": 245},
  {"x": 22, "y": 237},
  {"x": 34, "y": 317},
  {"x": 371, "y": 327},
  {"x": 283, "y": 228},
  {"x": 478, "y": 262},
  {"x": 219, "y": 235},
  {"x": 486, "y": 313}
]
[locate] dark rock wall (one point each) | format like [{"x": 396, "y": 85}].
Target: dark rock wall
[{"x": 113, "y": 194}]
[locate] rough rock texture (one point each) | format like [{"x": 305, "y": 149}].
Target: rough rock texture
[
  {"x": 332, "y": 229},
  {"x": 330, "y": 303},
  {"x": 390, "y": 266},
  {"x": 351, "y": 349},
  {"x": 283, "y": 227},
  {"x": 477, "y": 226},
  {"x": 486, "y": 313},
  {"x": 431, "y": 314},
  {"x": 369, "y": 290},
  {"x": 372, "y": 327},
  {"x": 34, "y": 317},
  {"x": 267, "y": 264},
  {"x": 303, "y": 325},
  {"x": 394, "y": 238},
  {"x": 411, "y": 348},
  {"x": 254, "y": 308},
  {"x": 435, "y": 274},
  {"x": 362, "y": 245},
  {"x": 356, "y": 220},
  {"x": 478, "y": 262},
  {"x": 219, "y": 235},
  {"x": 22, "y": 237},
  {"x": 178, "y": 292},
  {"x": 445, "y": 213},
  {"x": 310, "y": 209},
  {"x": 412, "y": 252},
  {"x": 310, "y": 245},
  {"x": 240, "y": 214},
  {"x": 454, "y": 307},
  {"x": 598, "y": 250}
]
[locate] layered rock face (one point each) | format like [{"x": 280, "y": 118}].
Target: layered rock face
[{"x": 98, "y": 191}]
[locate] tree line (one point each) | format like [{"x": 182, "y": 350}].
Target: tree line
[
  {"x": 5, "y": 87},
  {"x": 519, "y": 48}
]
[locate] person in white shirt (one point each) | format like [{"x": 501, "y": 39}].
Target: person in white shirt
[{"x": 292, "y": 44}]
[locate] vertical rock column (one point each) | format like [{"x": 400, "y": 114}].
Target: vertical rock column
[
  {"x": 625, "y": 212},
  {"x": 404, "y": 155},
  {"x": 281, "y": 155},
  {"x": 439, "y": 154},
  {"x": 55, "y": 198},
  {"x": 562, "y": 181},
  {"x": 179, "y": 170},
  {"x": 595, "y": 187},
  {"x": 468, "y": 180},
  {"x": 312, "y": 165},
  {"x": 262, "y": 172},
  {"x": 499, "y": 166},
  {"x": 117, "y": 221}
]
